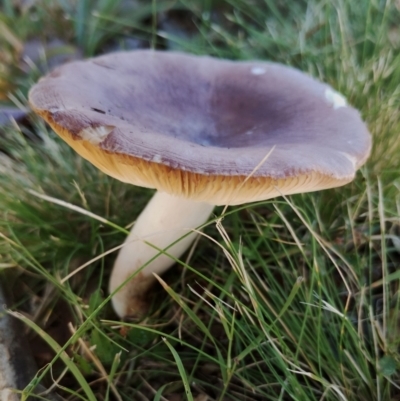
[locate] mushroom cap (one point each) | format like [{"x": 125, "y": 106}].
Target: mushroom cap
[{"x": 219, "y": 131}]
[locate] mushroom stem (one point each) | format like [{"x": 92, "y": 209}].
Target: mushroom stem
[{"x": 165, "y": 220}]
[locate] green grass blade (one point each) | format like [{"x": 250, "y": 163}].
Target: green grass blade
[
  {"x": 58, "y": 350},
  {"x": 181, "y": 369}
]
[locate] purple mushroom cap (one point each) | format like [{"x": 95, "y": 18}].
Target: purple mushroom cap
[{"x": 219, "y": 131}]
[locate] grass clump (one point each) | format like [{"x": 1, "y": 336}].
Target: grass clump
[{"x": 295, "y": 299}]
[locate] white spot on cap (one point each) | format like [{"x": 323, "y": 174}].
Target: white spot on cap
[
  {"x": 258, "y": 70},
  {"x": 156, "y": 159},
  {"x": 95, "y": 135},
  {"x": 336, "y": 99}
]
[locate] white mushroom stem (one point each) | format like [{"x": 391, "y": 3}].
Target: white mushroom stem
[{"x": 165, "y": 220}]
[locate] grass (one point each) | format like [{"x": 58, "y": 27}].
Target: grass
[{"x": 291, "y": 299}]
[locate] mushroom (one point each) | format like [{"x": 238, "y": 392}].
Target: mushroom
[{"x": 203, "y": 132}]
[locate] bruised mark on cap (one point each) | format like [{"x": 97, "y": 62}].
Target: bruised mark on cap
[{"x": 95, "y": 135}]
